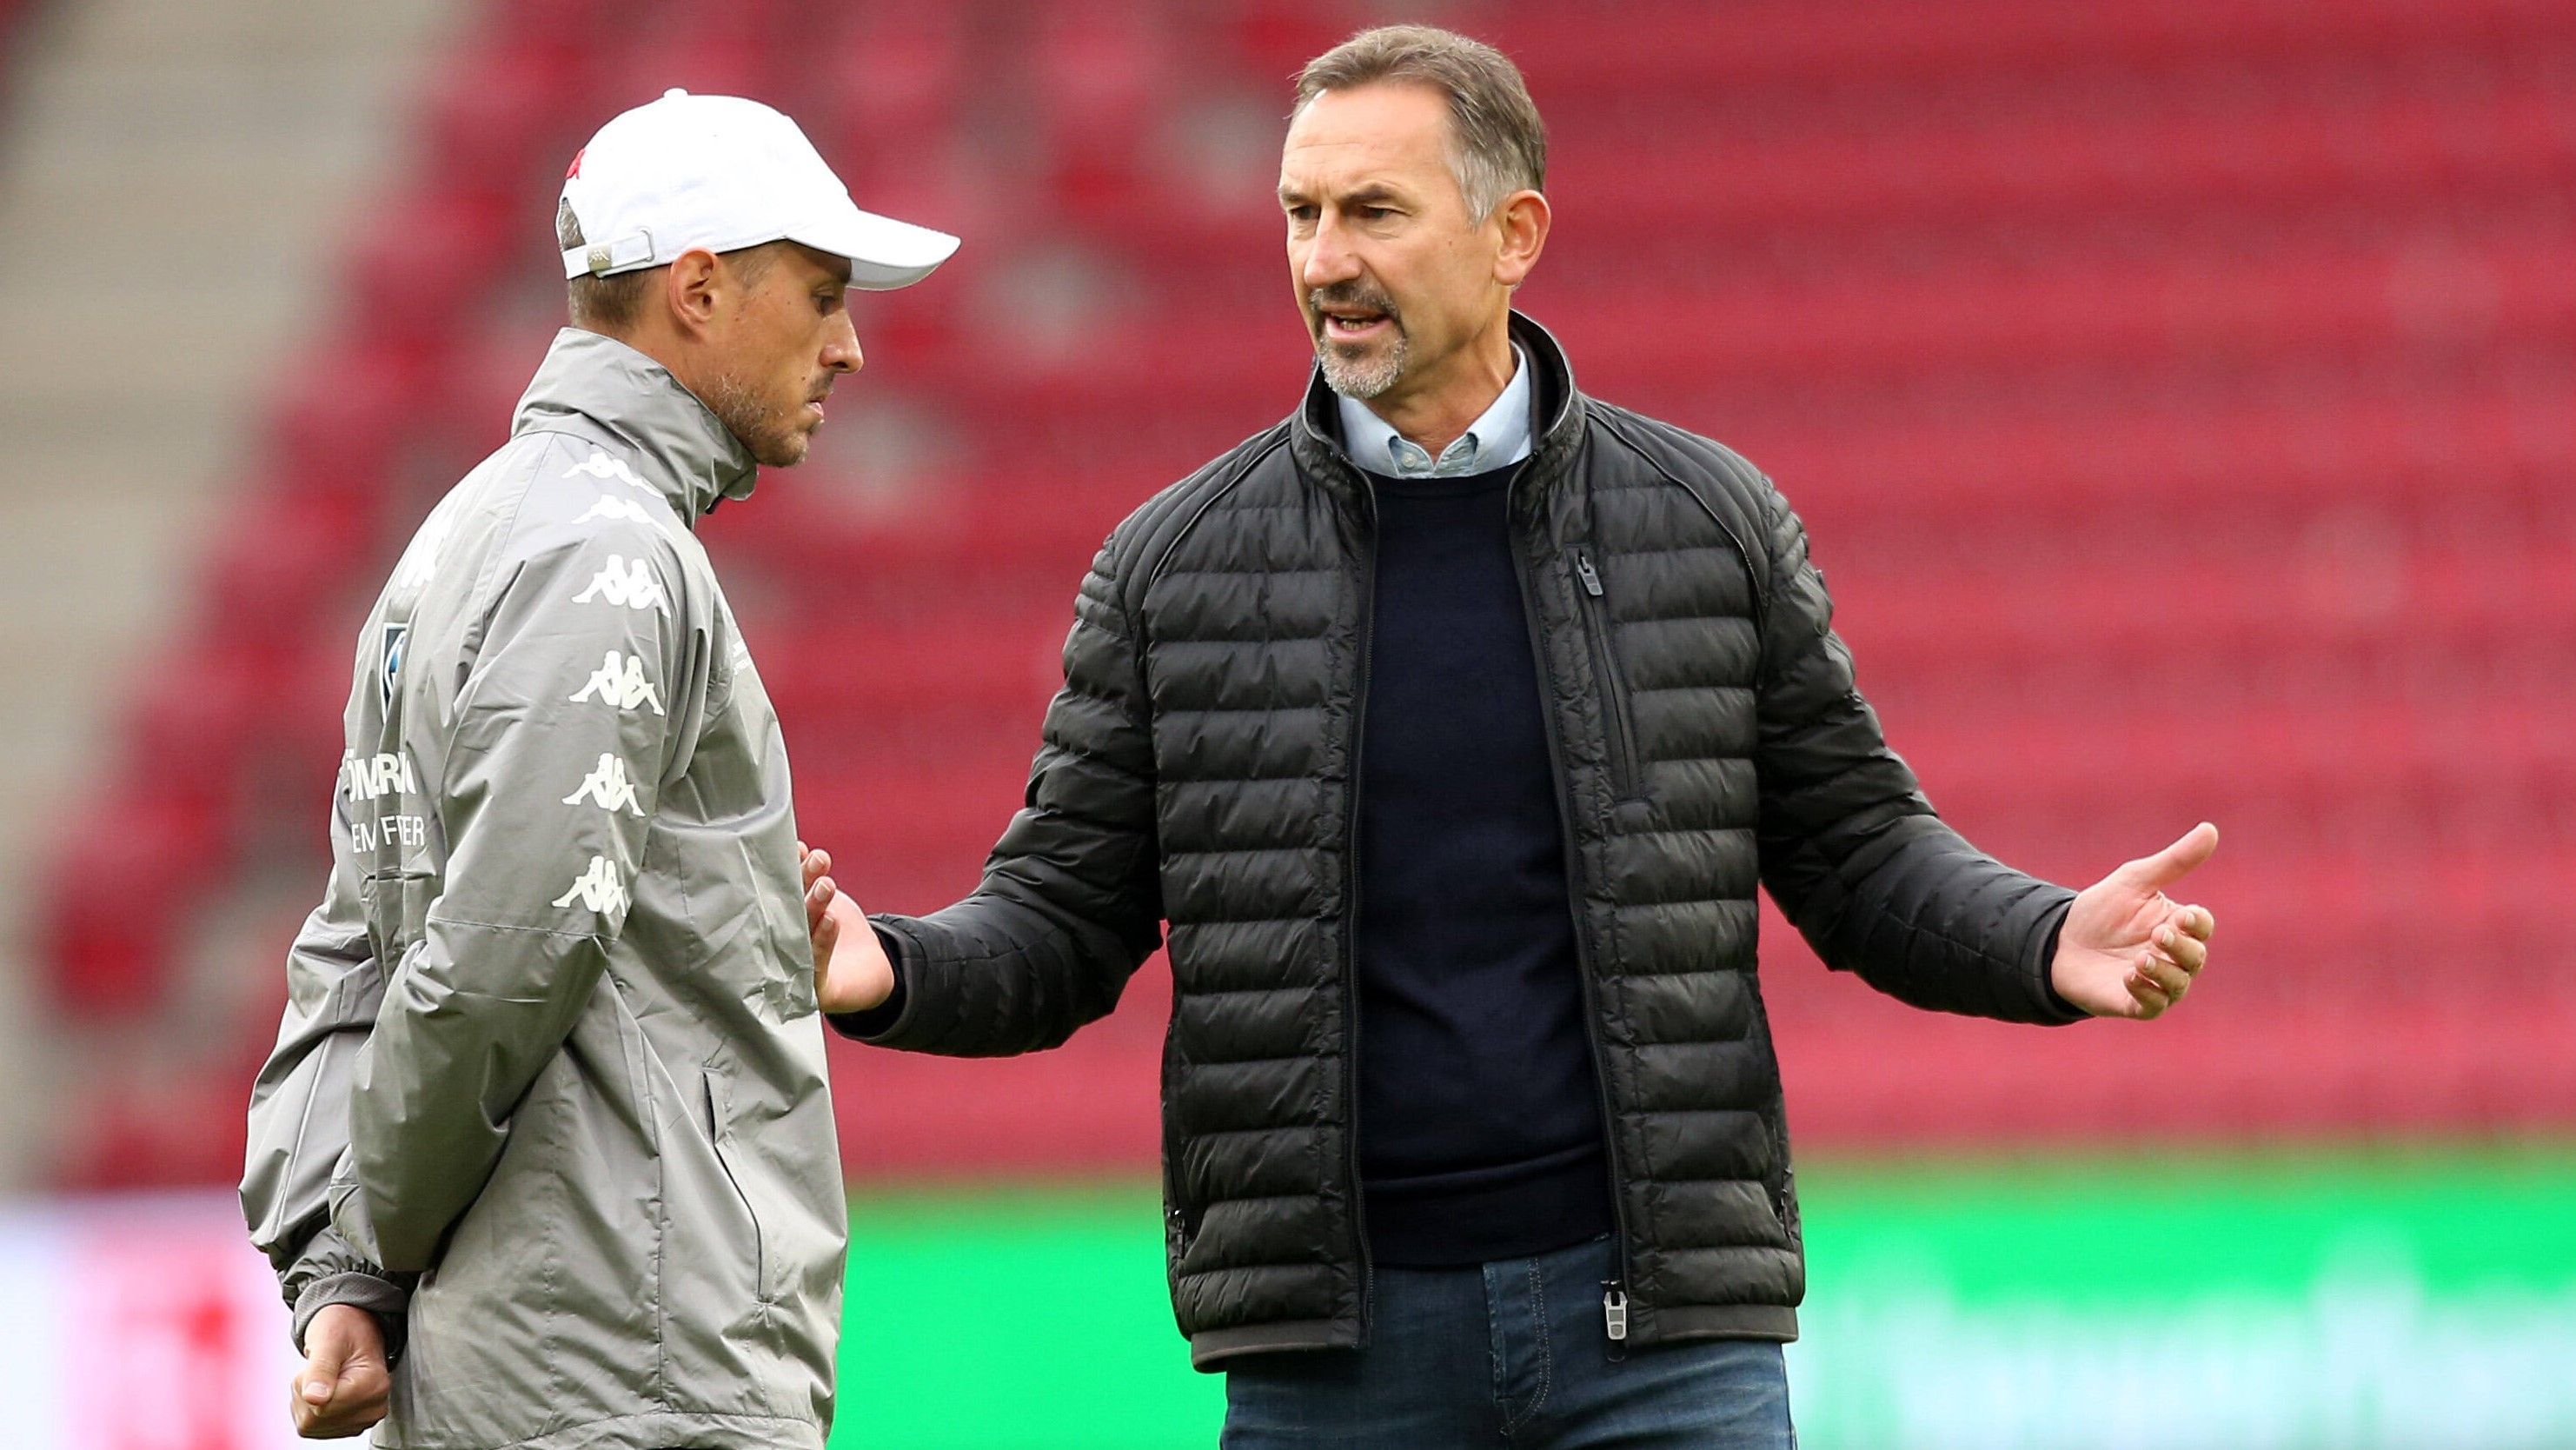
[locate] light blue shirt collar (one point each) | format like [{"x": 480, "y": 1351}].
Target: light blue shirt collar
[{"x": 1497, "y": 439}]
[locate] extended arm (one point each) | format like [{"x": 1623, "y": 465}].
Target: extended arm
[{"x": 1070, "y": 903}]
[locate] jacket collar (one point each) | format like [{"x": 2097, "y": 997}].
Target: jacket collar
[
  {"x": 1315, "y": 433},
  {"x": 696, "y": 461},
  {"x": 1498, "y": 438}
]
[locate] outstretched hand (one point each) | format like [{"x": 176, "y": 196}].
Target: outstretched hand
[
  {"x": 851, "y": 973},
  {"x": 2128, "y": 949}
]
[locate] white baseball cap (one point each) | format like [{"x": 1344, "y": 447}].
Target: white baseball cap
[{"x": 723, "y": 173}]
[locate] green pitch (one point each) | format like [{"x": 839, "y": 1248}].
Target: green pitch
[
  {"x": 997, "y": 1319},
  {"x": 2309, "y": 1302}
]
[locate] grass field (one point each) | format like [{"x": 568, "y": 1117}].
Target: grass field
[{"x": 2310, "y": 1301}]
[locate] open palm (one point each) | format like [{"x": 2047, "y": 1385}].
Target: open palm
[
  {"x": 851, "y": 970},
  {"x": 2128, "y": 949}
]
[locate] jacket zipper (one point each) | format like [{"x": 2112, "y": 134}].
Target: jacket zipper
[
  {"x": 715, "y": 1146},
  {"x": 1756, "y": 575},
  {"x": 1614, "y": 700},
  {"x": 1351, "y": 908},
  {"x": 1614, "y": 1294}
]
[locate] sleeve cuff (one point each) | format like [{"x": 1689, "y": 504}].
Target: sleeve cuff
[
  {"x": 881, "y": 1020},
  {"x": 379, "y": 1296},
  {"x": 2060, "y": 1012}
]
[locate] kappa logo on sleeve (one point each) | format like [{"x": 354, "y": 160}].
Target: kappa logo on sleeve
[
  {"x": 626, "y": 585},
  {"x": 609, "y": 787},
  {"x": 602, "y": 467},
  {"x": 420, "y": 561},
  {"x": 624, "y": 509},
  {"x": 597, "y": 888},
  {"x": 620, "y": 681}
]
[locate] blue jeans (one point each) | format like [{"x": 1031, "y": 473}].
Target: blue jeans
[{"x": 1515, "y": 1353}]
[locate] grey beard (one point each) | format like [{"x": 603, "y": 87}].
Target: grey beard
[
  {"x": 1363, "y": 377},
  {"x": 772, "y": 443}
]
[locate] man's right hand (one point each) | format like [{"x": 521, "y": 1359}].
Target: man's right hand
[
  {"x": 851, "y": 971},
  {"x": 344, "y": 1384}
]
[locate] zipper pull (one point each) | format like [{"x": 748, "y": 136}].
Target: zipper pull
[
  {"x": 1614, "y": 1312},
  {"x": 1591, "y": 578}
]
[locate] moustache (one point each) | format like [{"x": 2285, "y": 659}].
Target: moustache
[{"x": 1345, "y": 294}]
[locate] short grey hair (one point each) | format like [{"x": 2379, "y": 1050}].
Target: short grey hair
[
  {"x": 599, "y": 304},
  {"x": 1498, "y": 145}
]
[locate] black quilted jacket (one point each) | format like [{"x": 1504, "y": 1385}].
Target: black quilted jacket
[{"x": 1198, "y": 768}]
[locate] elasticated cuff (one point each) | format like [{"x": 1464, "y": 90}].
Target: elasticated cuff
[{"x": 379, "y": 1296}]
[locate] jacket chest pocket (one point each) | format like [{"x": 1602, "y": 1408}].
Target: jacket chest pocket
[{"x": 1617, "y": 710}]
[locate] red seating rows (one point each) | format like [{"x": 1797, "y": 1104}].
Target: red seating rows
[
  {"x": 2177, "y": 397},
  {"x": 11, "y": 17},
  {"x": 1612, "y": 48}
]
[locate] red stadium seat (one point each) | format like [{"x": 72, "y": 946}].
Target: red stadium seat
[{"x": 2177, "y": 397}]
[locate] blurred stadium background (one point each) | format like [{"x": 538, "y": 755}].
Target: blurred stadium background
[{"x": 2182, "y": 397}]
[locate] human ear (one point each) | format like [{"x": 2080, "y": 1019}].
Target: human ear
[
  {"x": 695, "y": 289},
  {"x": 1523, "y": 219}
]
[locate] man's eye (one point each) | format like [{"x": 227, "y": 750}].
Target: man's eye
[{"x": 1372, "y": 213}]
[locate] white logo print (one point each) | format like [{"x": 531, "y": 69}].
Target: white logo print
[
  {"x": 371, "y": 777},
  {"x": 421, "y": 559},
  {"x": 597, "y": 888},
  {"x": 620, "y": 682},
  {"x": 630, "y": 586},
  {"x": 607, "y": 784},
  {"x": 618, "y": 508},
  {"x": 602, "y": 467}
]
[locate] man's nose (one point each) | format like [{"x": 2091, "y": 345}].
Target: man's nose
[
  {"x": 1329, "y": 258},
  {"x": 841, "y": 353}
]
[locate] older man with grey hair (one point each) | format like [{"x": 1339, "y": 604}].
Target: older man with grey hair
[
  {"x": 545, "y": 1155},
  {"x": 1451, "y": 724}
]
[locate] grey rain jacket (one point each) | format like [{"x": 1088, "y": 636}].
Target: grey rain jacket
[
  {"x": 551, "y": 1057},
  {"x": 1200, "y": 767}
]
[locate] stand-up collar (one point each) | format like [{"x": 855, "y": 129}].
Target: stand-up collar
[
  {"x": 1498, "y": 438},
  {"x": 697, "y": 462},
  {"x": 1315, "y": 434}
]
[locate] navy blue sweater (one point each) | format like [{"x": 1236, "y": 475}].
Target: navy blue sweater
[{"x": 1480, "y": 1132}]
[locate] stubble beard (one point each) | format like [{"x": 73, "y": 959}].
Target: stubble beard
[
  {"x": 1358, "y": 370},
  {"x": 773, "y": 434},
  {"x": 1363, "y": 372}
]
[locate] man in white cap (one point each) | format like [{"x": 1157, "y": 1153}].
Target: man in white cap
[{"x": 545, "y": 1156}]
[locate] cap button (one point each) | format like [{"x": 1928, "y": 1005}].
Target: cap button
[{"x": 673, "y": 91}]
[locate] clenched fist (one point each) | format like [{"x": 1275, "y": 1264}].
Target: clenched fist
[{"x": 344, "y": 1384}]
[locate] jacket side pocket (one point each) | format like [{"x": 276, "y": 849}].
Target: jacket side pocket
[{"x": 712, "y": 1096}]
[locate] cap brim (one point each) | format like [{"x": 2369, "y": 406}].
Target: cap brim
[{"x": 884, "y": 253}]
